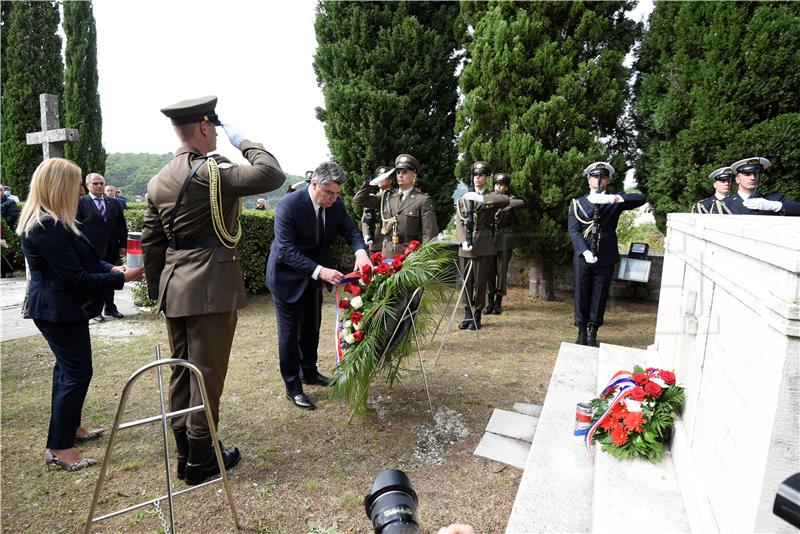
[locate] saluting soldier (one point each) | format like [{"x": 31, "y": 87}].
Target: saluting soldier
[
  {"x": 189, "y": 238},
  {"x": 371, "y": 217},
  {"x": 475, "y": 211},
  {"x": 592, "y": 228},
  {"x": 721, "y": 179},
  {"x": 406, "y": 213},
  {"x": 504, "y": 244},
  {"x": 747, "y": 200}
]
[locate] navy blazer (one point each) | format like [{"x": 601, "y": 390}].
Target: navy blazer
[
  {"x": 735, "y": 205},
  {"x": 67, "y": 275},
  {"x": 295, "y": 253},
  {"x": 608, "y": 215},
  {"x": 109, "y": 235}
]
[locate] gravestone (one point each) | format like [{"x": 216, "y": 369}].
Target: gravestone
[{"x": 52, "y": 137}]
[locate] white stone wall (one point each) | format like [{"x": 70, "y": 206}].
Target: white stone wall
[{"x": 729, "y": 324}]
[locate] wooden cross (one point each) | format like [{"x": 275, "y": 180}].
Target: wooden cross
[{"x": 52, "y": 138}]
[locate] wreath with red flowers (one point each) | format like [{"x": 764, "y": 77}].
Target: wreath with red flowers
[{"x": 635, "y": 414}]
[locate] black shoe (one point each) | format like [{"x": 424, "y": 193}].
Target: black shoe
[
  {"x": 581, "y": 339},
  {"x": 475, "y": 324},
  {"x": 466, "y": 322},
  {"x": 489, "y": 309},
  {"x": 99, "y": 319},
  {"x": 317, "y": 380},
  {"x": 202, "y": 463},
  {"x": 182, "y": 445},
  {"x": 591, "y": 336},
  {"x": 498, "y": 305},
  {"x": 115, "y": 314},
  {"x": 301, "y": 401}
]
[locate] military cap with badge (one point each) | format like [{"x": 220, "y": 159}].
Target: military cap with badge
[
  {"x": 193, "y": 110},
  {"x": 481, "y": 167},
  {"x": 502, "y": 178},
  {"x": 600, "y": 168}
]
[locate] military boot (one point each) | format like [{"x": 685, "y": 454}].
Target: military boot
[
  {"x": 467, "y": 320},
  {"x": 581, "y": 334},
  {"x": 182, "y": 445},
  {"x": 476, "y": 324},
  {"x": 489, "y": 309},
  {"x": 202, "y": 463},
  {"x": 591, "y": 336},
  {"x": 498, "y": 305}
]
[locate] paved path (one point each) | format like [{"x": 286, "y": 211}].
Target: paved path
[{"x": 13, "y": 326}]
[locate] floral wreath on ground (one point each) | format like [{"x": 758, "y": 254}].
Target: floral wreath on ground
[
  {"x": 634, "y": 415},
  {"x": 371, "y": 310}
]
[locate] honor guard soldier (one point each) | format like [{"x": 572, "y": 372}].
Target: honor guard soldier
[
  {"x": 406, "y": 214},
  {"x": 721, "y": 179},
  {"x": 189, "y": 237},
  {"x": 475, "y": 211},
  {"x": 371, "y": 217},
  {"x": 504, "y": 244},
  {"x": 592, "y": 228},
  {"x": 747, "y": 200}
]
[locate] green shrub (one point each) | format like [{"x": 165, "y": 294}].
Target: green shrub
[{"x": 12, "y": 252}]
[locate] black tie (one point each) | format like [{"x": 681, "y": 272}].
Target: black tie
[{"x": 320, "y": 225}]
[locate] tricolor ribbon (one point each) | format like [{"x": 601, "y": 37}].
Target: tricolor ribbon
[
  {"x": 623, "y": 383},
  {"x": 355, "y": 276}
]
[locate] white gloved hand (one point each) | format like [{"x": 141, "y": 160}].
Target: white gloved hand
[
  {"x": 367, "y": 240},
  {"x": 466, "y": 247},
  {"x": 234, "y": 135},
  {"x": 589, "y": 257},
  {"x": 597, "y": 198},
  {"x": 763, "y": 204},
  {"x": 375, "y": 182},
  {"x": 473, "y": 196}
]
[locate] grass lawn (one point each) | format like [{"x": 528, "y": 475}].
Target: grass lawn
[{"x": 301, "y": 471}]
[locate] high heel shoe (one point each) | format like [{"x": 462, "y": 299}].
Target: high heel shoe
[
  {"x": 52, "y": 459},
  {"x": 93, "y": 435}
]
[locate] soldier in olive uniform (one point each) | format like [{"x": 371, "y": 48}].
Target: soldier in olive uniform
[
  {"x": 504, "y": 244},
  {"x": 193, "y": 268},
  {"x": 747, "y": 200},
  {"x": 722, "y": 179},
  {"x": 371, "y": 217},
  {"x": 406, "y": 213},
  {"x": 475, "y": 213}
]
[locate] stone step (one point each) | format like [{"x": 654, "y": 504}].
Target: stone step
[
  {"x": 503, "y": 449},
  {"x": 534, "y": 410},
  {"x": 555, "y": 492},
  {"x": 513, "y": 425},
  {"x": 634, "y": 491}
]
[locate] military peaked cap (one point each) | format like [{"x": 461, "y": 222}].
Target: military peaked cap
[
  {"x": 481, "y": 167},
  {"x": 406, "y": 161},
  {"x": 380, "y": 170},
  {"x": 751, "y": 165},
  {"x": 723, "y": 173},
  {"x": 599, "y": 168},
  {"x": 193, "y": 110},
  {"x": 502, "y": 178}
]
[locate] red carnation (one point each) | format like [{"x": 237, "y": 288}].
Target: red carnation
[
  {"x": 344, "y": 304},
  {"x": 355, "y": 291},
  {"x": 668, "y": 377},
  {"x": 383, "y": 268},
  {"x": 618, "y": 435},
  {"x": 619, "y": 411},
  {"x": 407, "y": 251},
  {"x": 377, "y": 258},
  {"x": 397, "y": 264},
  {"x": 366, "y": 268},
  {"x": 414, "y": 245},
  {"x": 640, "y": 378},
  {"x": 652, "y": 389},
  {"x": 358, "y": 335},
  {"x": 356, "y": 316},
  {"x": 637, "y": 394},
  {"x": 633, "y": 422},
  {"x": 366, "y": 279}
]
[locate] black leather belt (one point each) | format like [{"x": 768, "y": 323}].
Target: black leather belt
[
  {"x": 208, "y": 241},
  {"x": 483, "y": 227}
]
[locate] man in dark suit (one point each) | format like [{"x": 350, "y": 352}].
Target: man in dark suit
[
  {"x": 747, "y": 200},
  {"x": 103, "y": 222},
  {"x": 306, "y": 223},
  {"x": 592, "y": 228}
]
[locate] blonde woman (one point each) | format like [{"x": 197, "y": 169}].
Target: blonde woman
[{"x": 66, "y": 286}]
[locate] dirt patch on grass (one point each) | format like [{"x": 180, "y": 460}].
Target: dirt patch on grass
[{"x": 301, "y": 471}]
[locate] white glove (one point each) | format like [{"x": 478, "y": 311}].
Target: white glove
[
  {"x": 763, "y": 204},
  {"x": 589, "y": 257},
  {"x": 466, "y": 247},
  {"x": 367, "y": 240},
  {"x": 234, "y": 135},
  {"x": 375, "y": 182},
  {"x": 597, "y": 198},
  {"x": 473, "y": 196}
]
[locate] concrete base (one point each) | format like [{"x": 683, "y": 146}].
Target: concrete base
[
  {"x": 512, "y": 425},
  {"x": 503, "y": 449}
]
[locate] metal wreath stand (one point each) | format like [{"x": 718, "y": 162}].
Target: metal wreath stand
[
  {"x": 462, "y": 292},
  {"x": 168, "y": 526}
]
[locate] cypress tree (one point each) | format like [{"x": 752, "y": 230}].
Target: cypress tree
[
  {"x": 5, "y": 13},
  {"x": 81, "y": 99},
  {"x": 387, "y": 72},
  {"x": 545, "y": 90},
  {"x": 33, "y": 65},
  {"x": 723, "y": 88}
]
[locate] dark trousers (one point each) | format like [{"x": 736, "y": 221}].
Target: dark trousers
[
  {"x": 298, "y": 336},
  {"x": 72, "y": 373},
  {"x": 108, "y": 301},
  {"x": 591, "y": 291},
  {"x": 498, "y": 274},
  {"x": 478, "y": 280},
  {"x": 205, "y": 341}
]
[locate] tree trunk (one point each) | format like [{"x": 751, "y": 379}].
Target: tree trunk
[{"x": 541, "y": 280}]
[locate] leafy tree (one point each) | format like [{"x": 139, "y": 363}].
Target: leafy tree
[
  {"x": 545, "y": 90},
  {"x": 81, "y": 99},
  {"x": 723, "y": 88},
  {"x": 5, "y": 13},
  {"x": 131, "y": 172},
  {"x": 32, "y": 65},
  {"x": 387, "y": 72}
]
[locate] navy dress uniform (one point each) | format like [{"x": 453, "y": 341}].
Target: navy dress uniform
[
  {"x": 193, "y": 268},
  {"x": 747, "y": 200},
  {"x": 504, "y": 244},
  {"x": 592, "y": 224},
  {"x": 475, "y": 212},
  {"x": 713, "y": 204},
  {"x": 371, "y": 217}
]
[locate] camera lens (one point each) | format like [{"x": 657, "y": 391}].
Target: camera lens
[{"x": 392, "y": 504}]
